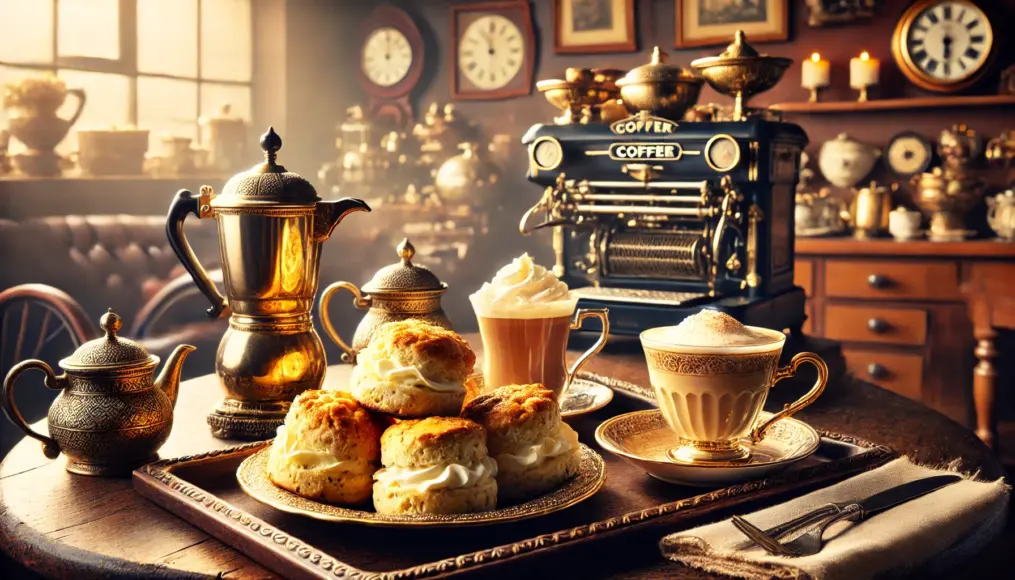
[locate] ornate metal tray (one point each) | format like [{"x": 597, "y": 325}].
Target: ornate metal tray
[
  {"x": 253, "y": 478},
  {"x": 631, "y": 512}
]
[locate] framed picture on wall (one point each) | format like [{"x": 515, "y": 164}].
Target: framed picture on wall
[
  {"x": 713, "y": 22},
  {"x": 587, "y": 26}
]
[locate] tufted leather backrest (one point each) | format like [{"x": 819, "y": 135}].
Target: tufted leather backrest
[{"x": 101, "y": 260}]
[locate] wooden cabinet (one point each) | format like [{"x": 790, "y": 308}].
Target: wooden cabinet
[{"x": 899, "y": 312}]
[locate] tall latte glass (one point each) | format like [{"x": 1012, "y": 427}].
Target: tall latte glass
[
  {"x": 525, "y": 316},
  {"x": 711, "y": 375}
]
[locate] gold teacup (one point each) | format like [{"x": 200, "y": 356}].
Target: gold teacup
[{"x": 711, "y": 395}]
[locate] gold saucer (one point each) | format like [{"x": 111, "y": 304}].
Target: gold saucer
[
  {"x": 253, "y": 479},
  {"x": 583, "y": 396},
  {"x": 643, "y": 439}
]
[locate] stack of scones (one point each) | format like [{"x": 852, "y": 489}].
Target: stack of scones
[{"x": 401, "y": 437}]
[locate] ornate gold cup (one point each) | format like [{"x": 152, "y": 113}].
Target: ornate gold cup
[
  {"x": 711, "y": 396},
  {"x": 740, "y": 72},
  {"x": 659, "y": 88}
]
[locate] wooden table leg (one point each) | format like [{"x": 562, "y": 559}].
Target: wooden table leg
[{"x": 985, "y": 386}]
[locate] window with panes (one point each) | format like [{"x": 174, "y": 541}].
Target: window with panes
[{"x": 154, "y": 64}]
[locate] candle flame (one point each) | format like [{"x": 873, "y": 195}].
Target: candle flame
[
  {"x": 865, "y": 55},
  {"x": 815, "y": 57}
]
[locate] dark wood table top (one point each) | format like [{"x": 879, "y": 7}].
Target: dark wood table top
[{"x": 65, "y": 525}]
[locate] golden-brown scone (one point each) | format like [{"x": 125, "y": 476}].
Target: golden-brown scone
[
  {"x": 413, "y": 369},
  {"x": 515, "y": 415},
  {"x": 535, "y": 451},
  {"x": 432, "y": 441},
  {"x": 327, "y": 449},
  {"x": 435, "y": 465}
]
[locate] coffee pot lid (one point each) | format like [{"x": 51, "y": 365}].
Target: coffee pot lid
[
  {"x": 404, "y": 276},
  {"x": 267, "y": 183},
  {"x": 109, "y": 351},
  {"x": 657, "y": 70}
]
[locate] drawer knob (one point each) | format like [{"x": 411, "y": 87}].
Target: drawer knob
[
  {"x": 876, "y": 371},
  {"x": 878, "y": 281},
  {"x": 877, "y": 326}
]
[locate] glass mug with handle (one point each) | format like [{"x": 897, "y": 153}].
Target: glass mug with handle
[
  {"x": 531, "y": 345},
  {"x": 711, "y": 396}
]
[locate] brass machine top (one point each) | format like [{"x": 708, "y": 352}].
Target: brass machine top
[
  {"x": 657, "y": 70},
  {"x": 267, "y": 183},
  {"x": 404, "y": 276},
  {"x": 109, "y": 351}
]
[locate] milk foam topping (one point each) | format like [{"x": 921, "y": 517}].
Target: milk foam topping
[
  {"x": 715, "y": 329},
  {"x": 523, "y": 289}
]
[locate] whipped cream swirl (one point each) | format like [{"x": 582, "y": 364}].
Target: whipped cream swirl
[
  {"x": 564, "y": 441},
  {"x": 397, "y": 374},
  {"x": 523, "y": 289},
  {"x": 450, "y": 476},
  {"x": 312, "y": 459}
]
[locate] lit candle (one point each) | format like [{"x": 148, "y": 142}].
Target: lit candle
[
  {"x": 863, "y": 73},
  {"x": 814, "y": 75}
]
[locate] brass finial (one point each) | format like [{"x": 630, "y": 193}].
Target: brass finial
[
  {"x": 739, "y": 37},
  {"x": 271, "y": 143},
  {"x": 111, "y": 324},
  {"x": 406, "y": 251},
  {"x": 658, "y": 56}
]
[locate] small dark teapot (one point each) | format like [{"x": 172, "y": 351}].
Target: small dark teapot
[{"x": 111, "y": 416}]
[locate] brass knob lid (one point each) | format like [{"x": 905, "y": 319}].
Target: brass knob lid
[
  {"x": 739, "y": 47},
  {"x": 657, "y": 71},
  {"x": 268, "y": 183},
  {"x": 109, "y": 351},
  {"x": 403, "y": 276}
]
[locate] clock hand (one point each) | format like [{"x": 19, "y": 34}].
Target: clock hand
[{"x": 947, "y": 47}]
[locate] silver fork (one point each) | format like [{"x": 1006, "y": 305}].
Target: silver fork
[{"x": 806, "y": 544}]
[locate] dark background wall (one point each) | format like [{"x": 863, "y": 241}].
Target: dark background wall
[{"x": 323, "y": 39}]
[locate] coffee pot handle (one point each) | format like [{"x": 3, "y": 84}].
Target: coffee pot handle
[
  {"x": 50, "y": 448},
  {"x": 184, "y": 203},
  {"x": 786, "y": 372},
  {"x": 359, "y": 301},
  {"x": 576, "y": 323}
]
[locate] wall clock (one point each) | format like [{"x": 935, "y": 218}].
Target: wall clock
[
  {"x": 908, "y": 153},
  {"x": 493, "y": 50},
  {"x": 390, "y": 64},
  {"x": 943, "y": 45}
]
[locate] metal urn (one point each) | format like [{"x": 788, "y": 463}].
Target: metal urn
[{"x": 271, "y": 225}]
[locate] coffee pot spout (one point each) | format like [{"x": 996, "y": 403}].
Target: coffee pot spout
[
  {"x": 169, "y": 379},
  {"x": 330, "y": 213}
]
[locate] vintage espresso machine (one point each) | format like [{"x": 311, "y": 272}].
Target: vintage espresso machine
[
  {"x": 657, "y": 217},
  {"x": 271, "y": 225}
]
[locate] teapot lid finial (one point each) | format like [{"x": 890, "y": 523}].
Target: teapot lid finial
[
  {"x": 406, "y": 250},
  {"x": 111, "y": 324}
]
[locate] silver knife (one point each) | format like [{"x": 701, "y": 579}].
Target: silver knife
[{"x": 867, "y": 507}]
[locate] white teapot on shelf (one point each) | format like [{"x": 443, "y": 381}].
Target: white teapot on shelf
[
  {"x": 1001, "y": 215},
  {"x": 844, "y": 161}
]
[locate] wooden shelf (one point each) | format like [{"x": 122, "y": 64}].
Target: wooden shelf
[{"x": 831, "y": 107}]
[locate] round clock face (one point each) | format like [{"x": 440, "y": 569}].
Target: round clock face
[
  {"x": 947, "y": 42},
  {"x": 908, "y": 154},
  {"x": 491, "y": 52},
  {"x": 387, "y": 56}
]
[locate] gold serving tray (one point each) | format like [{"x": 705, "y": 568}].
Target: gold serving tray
[{"x": 252, "y": 476}]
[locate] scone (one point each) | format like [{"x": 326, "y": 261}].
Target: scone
[
  {"x": 328, "y": 448},
  {"x": 413, "y": 369},
  {"x": 535, "y": 451},
  {"x": 437, "y": 465}
]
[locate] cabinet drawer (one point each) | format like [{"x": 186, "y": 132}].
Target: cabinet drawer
[
  {"x": 873, "y": 324},
  {"x": 892, "y": 279},
  {"x": 900, "y": 373},
  {"x": 803, "y": 276}
]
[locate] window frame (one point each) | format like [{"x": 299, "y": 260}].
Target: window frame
[{"x": 127, "y": 64}]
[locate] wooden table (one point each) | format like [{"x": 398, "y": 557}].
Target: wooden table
[{"x": 63, "y": 525}]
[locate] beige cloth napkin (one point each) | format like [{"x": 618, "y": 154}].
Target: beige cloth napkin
[{"x": 969, "y": 512}]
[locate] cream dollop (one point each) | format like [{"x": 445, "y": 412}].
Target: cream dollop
[
  {"x": 312, "y": 459},
  {"x": 453, "y": 475},
  {"x": 523, "y": 289},
  {"x": 397, "y": 374},
  {"x": 565, "y": 440}
]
